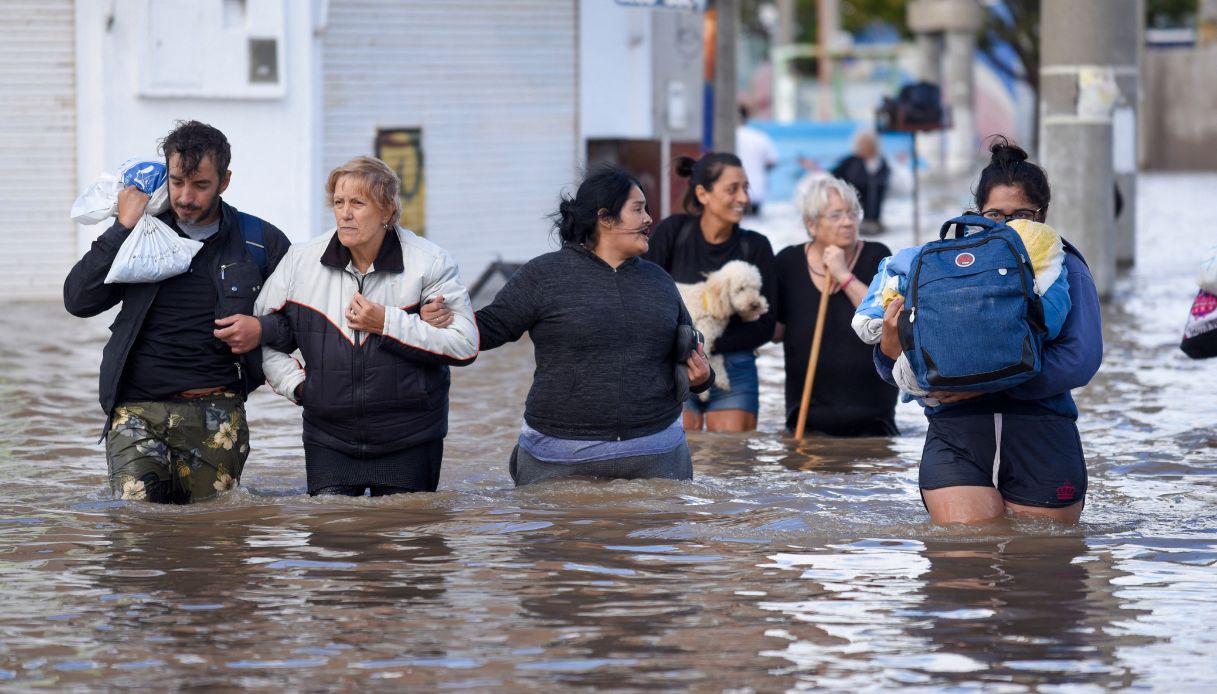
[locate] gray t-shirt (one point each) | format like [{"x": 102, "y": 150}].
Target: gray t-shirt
[{"x": 199, "y": 232}]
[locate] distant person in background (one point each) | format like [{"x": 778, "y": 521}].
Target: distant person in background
[
  {"x": 758, "y": 153},
  {"x": 867, "y": 171}
]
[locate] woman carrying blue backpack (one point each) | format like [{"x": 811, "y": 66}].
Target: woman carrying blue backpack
[{"x": 1016, "y": 450}]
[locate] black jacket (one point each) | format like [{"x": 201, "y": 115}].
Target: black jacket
[
  {"x": 85, "y": 294},
  {"x": 871, "y": 187},
  {"x": 603, "y": 340},
  {"x": 366, "y": 394}
]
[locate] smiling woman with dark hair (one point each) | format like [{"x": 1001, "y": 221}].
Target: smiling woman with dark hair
[
  {"x": 609, "y": 331},
  {"x": 704, "y": 239}
]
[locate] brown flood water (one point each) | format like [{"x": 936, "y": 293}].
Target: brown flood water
[{"x": 781, "y": 567}]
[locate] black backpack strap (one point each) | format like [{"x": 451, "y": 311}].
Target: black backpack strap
[{"x": 252, "y": 232}]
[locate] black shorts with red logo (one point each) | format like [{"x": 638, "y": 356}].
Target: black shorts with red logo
[{"x": 1032, "y": 459}]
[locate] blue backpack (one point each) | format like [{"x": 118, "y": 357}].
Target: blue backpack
[{"x": 972, "y": 319}]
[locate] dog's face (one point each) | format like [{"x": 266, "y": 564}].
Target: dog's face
[{"x": 743, "y": 287}]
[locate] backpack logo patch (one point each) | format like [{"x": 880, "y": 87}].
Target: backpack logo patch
[{"x": 965, "y": 260}]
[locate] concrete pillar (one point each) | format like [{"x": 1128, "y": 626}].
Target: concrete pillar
[
  {"x": 726, "y": 102},
  {"x": 929, "y": 57},
  {"x": 929, "y": 69},
  {"x": 1128, "y": 46},
  {"x": 784, "y": 92},
  {"x": 1078, "y": 89},
  {"x": 945, "y": 32},
  {"x": 959, "y": 52}
]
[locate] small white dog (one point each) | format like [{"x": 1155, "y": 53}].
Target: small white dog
[{"x": 733, "y": 289}]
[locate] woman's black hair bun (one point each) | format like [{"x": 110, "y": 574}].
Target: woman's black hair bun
[
  {"x": 1005, "y": 152},
  {"x": 566, "y": 208},
  {"x": 684, "y": 166}
]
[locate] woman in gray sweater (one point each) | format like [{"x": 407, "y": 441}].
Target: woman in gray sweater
[{"x": 606, "y": 327}]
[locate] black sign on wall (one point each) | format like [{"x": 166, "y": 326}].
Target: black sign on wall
[{"x": 402, "y": 150}]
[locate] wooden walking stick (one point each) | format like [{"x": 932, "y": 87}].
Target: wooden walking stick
[{"x": 814, "y": 357}]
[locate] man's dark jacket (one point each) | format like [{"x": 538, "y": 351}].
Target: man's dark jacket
[
  {"x": 85, "y": 294},
  {"x": 871, "y": 187}
]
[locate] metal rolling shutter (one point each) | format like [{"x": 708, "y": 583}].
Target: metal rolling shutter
[
  {"x": 37, "y": 147},
  {"x": 493, "y": 87}
]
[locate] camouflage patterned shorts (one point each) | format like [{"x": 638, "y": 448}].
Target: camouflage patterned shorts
[{"x": 177, "y": 451}]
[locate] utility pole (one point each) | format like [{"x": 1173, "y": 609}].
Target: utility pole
[
  {"x": 1078, "y": 91},
  {"x": 780, "y": 55},
  {"x": 828, "y": 16},
  {"x": 722, "y": 30},
  {"x": 786, "y": 22},
  {"x": 1206, "y": 22}
]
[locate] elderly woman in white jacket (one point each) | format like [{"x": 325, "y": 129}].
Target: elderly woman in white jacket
[{"x": 374, "y": 382}]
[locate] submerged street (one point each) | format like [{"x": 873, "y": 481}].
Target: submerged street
[{"x": 781, "y": 566}]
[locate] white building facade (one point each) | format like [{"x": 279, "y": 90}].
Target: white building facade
[
  {"x": 487, "y": 90},
  {"x": 641, "y": 81},
  {"x": 38, "y": 123}
]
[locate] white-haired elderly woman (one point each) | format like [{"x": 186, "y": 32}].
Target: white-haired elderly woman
[{"x": 848, "y": 397}]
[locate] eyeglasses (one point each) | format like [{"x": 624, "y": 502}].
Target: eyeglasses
[
  {"x": 836, "y": 217},
  {"x": 1001, "y": 217}
]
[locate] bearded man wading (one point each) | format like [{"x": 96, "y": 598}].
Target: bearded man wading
[{"x": 183, "y": 352}]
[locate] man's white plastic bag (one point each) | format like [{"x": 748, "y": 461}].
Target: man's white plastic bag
[
  {"x": 99, "y": 201},
  {"x": 151, "y": 253}
]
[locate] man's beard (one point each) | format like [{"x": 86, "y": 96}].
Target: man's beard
[{"x": 195, "y": 214}]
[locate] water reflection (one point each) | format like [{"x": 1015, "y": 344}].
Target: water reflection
[
  {"x": 854, "y": 594},
  {"x": 826, "y": 454},
  {"x": 605, "y": 611},
  {"x": 361, "y": 562},
  {"x": 947, "y": 612},
  {"x": 1025, "y": 610},
  {"x": 175, "y": 591}
]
